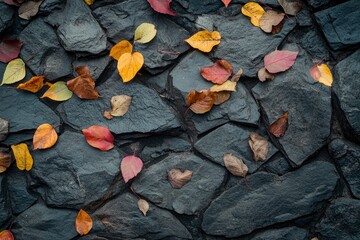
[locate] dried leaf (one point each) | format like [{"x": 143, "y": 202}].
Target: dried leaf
[
  {"x": 291, "y": 8},
  {"x": 33, "y": 85},
  {"x": 84, "y": 85},
  {"x": 201, "y": 102},
  {"x": 217, "y": 73},
  {"x": 120, "y": 105},
  {"x": 14, "y": 72},
  {"x": 254, "y": 11},
  {"x": 143, "y": 206},
  {"x": 322, "y": 74},
  {"x": 226, "y": 2},
  {"x": 269, "y": 19},
  {"x": 222, "y": 97},
  {"x": 83, "y": 223},
  {"x": 5, "y": 161},
  {"x": 235, "y": 165},
  {"x": 4, "y": 129},
  {"x": 120, "y": 48},
  {"x": 144, "y": 33},
  {"x": 13, "y": 2},
  {"x": 58, "y": 92},
  {"x": 204, "y": 40},
  {"x": 9, "y": 49},
  {"x": 263, "y": 75},
  {"x": 259, "y": 146},
  {"x": 130, "y": 167},
  {"x": 276, "y": 29},
  {"x": 99, "y": 137},
  {"x": 107, "y": 115},
  {"x": 129, "y": 64},
  {"x": 162, "y": 6},
  {"x": 45, "y": 137},
  {"x": 237, "y": 76},
  {"x": 24, "y": 160},
  {"x": 279, "y": 61},
  {"x": 29, "y": 9},
  {"x": 279, "y": 127},
  {"x": 6, "y": 235},
  {"x": 177, "y": 178},
  {"x": 226, "y": 86},
  {"x": 89, "y": 2}
]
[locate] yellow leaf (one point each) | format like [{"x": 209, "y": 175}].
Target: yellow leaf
[
  {"x": 322, "y": 73},
  {"x": 89, "y": 2},
  {"x": 45, "y": 137},
  {"x": 129, "y": 64},
  {"x": 226, "y": 86},
  {"x": 254, "y": 11},
  {"x": 204, "y": 40},
  {"x": 33, "y": 85},
  {"x": 144, "y": 33},
  {"x": 58, "y": 92},
  {"x": 24, "y": 160},
  {"x": 14, "y": 72},
  {"x": 120, "y": 48}
]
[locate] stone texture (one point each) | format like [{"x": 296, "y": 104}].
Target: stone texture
[
  {"x": 278, "y": 166},
  {"x": 96, "y": 65},
  {"x": 6, "y": 15},
  {"x": 194, "y": 196},
  {"x": 4, "y": 213},
  {"x": 317, "y": 3},
  {"x": 286, "y": 233},
  {"x": 50, "y": 6},
  {"x": 295, "y": 194}
]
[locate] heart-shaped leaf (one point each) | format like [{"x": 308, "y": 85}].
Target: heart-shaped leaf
[
  {"x": 201, "y": 102},
  {"x": 130, "y": 167},
  {"x": 217, "y": 73},
  {"x": 254, "y": 11},
  {"x": 204, "y": 40},
  {"x": 9, "y": 49},
  {"x": 279, "y": 61},
  {"x": 144, "y": 33},
  {"x": 226, "y": 2},
  {"x": 14, "y": 72},
  {"x": 235, "y": 165},
  {"x": 322, "y": 74},
  {"x": 83, "y": 223},
  {"x": 84, "y": 85},
  {"x": 129, "y": 64},
  {"x": 143, "y": 206},
  {"x": 24, "y": 160},
  {"x": 120, "y": 48},
  {"x": 178, "y": 178},
  {"x": 45, "y": 137},
  {"x": 279, "y": 127},
  {"x": 33, "y": 85},
  {"x": 162, "y": 6},
  {"x": 99, "y": 137},
  {"x": 259, "y": 146},
  {"x": 58, "y": 92}
]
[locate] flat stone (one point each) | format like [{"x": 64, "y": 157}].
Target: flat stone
[
  {"x": 194, "y": 196},
  {"x": 339, "y": 24},
  {"x": 293, "y": 195},
  {"x": 278, "y": 166},
  {"x": 283, "y": 234},
  {"x": 44, "y": 223},
  {"x": 6, "y": 15},
  {"x": 122, "y": 218},
  {"x": 341, "y": 220},
  {"x": 96, "y": 65},
  {"x": 4, "y": 213},
  {"x": 147, "y": 112},
  {"x": 231, "y": 138},
  {"x": 73, "y": 175},
  {"x": 317, "y": 3},
  {"x": 304, "y": 136},
  {"x": 158, "y": 82},
  {"x": 50, "y": 6}
]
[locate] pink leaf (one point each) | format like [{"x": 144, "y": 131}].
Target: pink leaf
[
  {"x": 162, "y": 6},
  {"x": 130, "y": 167},
  {"x": 9, "y": 49},
  {"x": 279, "y": 61},
  {"x": 99, "y": 137},
  {"x": 217, "y": 73},
  {"x": 226, "y": 2}
]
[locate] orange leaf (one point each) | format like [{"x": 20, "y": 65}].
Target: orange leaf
[
  {"x": 201, "y": 102},
  {"x": 45, "y": 137},
  {"x": 83, "y": 86},
  {"x": 322, "y": 73},
  {"x": 226, "y": 2},
  {"x": 5, "y": 161},
  {"x": 279, "y": 127},
  {"x": 129, "y": 64},
  {"x": 254, "y": 11},
  {"x": 6, "y": 235},
  {"x": 204, "y": 40},
  {"x": 217, "y": 73},
  {"x": 33, "y": 85},
  {"x": 270, "y": 19},
  {"x": 99, "y": 137},
  {"x": 120, "y": 48},
  {"x": 83, "y": 223}
]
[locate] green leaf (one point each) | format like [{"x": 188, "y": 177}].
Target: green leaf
[
  {"x": 14, "y": 72},
  {"x": 58, "y": 92},
  {"x": 145, "y": 33}
]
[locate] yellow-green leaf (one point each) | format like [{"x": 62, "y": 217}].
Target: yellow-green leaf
[
  {"x": 14, "y": 72},
  {"x": 204, "y": 40},
  {"x": 24, "y": 160},
  {"x": 144, "y": 33},
  {"x": 58, "y": 92},
  {"x": 129, "y": 64}
]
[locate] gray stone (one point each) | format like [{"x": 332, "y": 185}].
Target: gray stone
[
  {"x": 6, "y": 15},
  {"x": 278, "y": 166},
  {"x": 50, "y": 6},
  {"x": 304, "y": 135},
  {"x": 270, "y": 200},
  {"x": 158, "y": 82},
  {"x": 231, "y": 138},
  {"x": 96, "y": 65},
  {"x": 73, "y": 174},
  {"x": 341, "y": 221},
  {"x": 120, "y": 218},
  {"x": 194, "y": 196},
  {"x": 317, "y": 3},
  {"x": 4, "y": 213},
  {"x": 339, "y": 24},
  {"x": 4, "y": 129},
  {"x": 286, "y": 233},
  {"x": 44, "y": 223}
]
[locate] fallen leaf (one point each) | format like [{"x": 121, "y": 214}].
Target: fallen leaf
[
  {"x": 9, "y": 49},
  {"x": 291, "y": 8},
  {"x": 83, "y": 223},
  {"x": 33, "y": 85},
  {"x": 254, "y": 11},
  {"x": 14, "y": 72},
  {"x": 89, "y": 2},
  {"x": 226, "y": 2},
  {"x": 222, "y": 97},
  {"x": 29, "y": 9},
  {"x": 279, "y": 61},
  {"x": 120, "y": 48},
  {"x": 259, "y": 146},
  {"x": 178, "y": 178},
  {"x": 99, "y": 137},
  {"x": 13, "y": 2},
  {"x": 120, "y": 105},
  {"x": 204, "y": 40},
  {"x": 5, "y": 161},
  {"x": 201, "y": 102},
  {"x": 226, "y": 86},
  {"x": 322, "y": 74},
  {"x": 144, "y": 33},
  {"x": 6, "y": 235},
  {"x": 218, "y": 73},
  {"x": 162, "y": 6},
  {"x": 143, "y": 206},
  {"x": 107, "y": 115},
  {"x": 130, "y": 167},
  {"x": 269, "y": 19},
  {"x": 4, "y": 129},
  {"x": 84, "y": 85},
  {"x": 58, "y": 92},
  {"x": 129, "y": 64},
  {"x": 263, "y": 75},
  {"x": 279, "y": 127},
  {"x": 24, "y": 160},
  {"x": 45, "y": 137},
  {"x": 235, "y": 165},
  {"x": 237, "y": 76},
  {"x": 276, "y": 29}
]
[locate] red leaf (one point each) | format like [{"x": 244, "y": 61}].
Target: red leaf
[
  {"x": 130, "y": 167},
  {"x": 13, "y": 2},
  {"x": 162, "y": 6},
  {"x": 99, "y": 137},
  {"x": 226, "y": 2},
  {"x": 279, "y": 61},
  {"x": 9, "y": 49},
  {"x": 6, "y": 235},
  {"x": 217, "y": 73},
  {"x": 279, "y": 127}
]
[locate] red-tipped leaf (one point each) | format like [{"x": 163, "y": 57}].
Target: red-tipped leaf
[{"x": 161, "y": 6}]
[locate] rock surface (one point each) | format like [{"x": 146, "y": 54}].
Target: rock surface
[
  {"x": 286, "y": 233},
  {"x": 4, "y": 213},
  {"x": 96, "y": 65},
  {"x": 6, "y": 15}
]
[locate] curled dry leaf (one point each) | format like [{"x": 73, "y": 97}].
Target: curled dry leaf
[
  {"x": 270, "y": 19},
  {"x": 5, "y": 161},
  {"x": 279, "y": 127},
  {"x": 226, "y": 2},
  {"x": 235, "y": 165},
  {"x": 204, "y": 40},
  {"x": 14, "y": 71},
  {"x": 45, "y": 137},
  {"x": 58, "y": 92},
  {"x": 226, "y": 86},
  {"x": 6, "y": 235},
  {"x": 279, "y": 61},
  {"x": 201, "y": 102},
  {"x": 130, "y": 167},
  {"x": 217, "y": 73},
  {"x": 291, "y": 8},
  {"x": 24, "y": 160},
  {"x": 162, "y": 6},
  {"x": 237, "y": 75},
  {"x": 144, "y": 33},
  {"x": 83, "y": 223},
  {"x": 264, "y": 75},
  {"x": 33, "y": 85},
  {"x": 259, "y": 146},
  {"x": 222, "y": 97},
  {"x": 322, "y": 74},
  {"x": 84, "y": 85},
  {"x": 107, "y": 115},
  {"x": 120, "y": 48},
  {"x": 99, "y": 137},
  {"x": 4, "y": 129},
  {"x": 254, "y": 11},
  {"x": 120, "y": 105},
  {"x": 143, "y": 206},
  {"x": 177, "y": 178},
  {"x": 276, "y": 29},
  {"x": 29, "y": 9},
  {"x": 129, "y": 64},
  {"x": 9, "y": 49}
]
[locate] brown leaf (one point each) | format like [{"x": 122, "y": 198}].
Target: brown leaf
[
  {"x": 218, "y": 73},
  {"x": 276, "y": 29},
  {"x": 291, "y": 8},
  {"x": 29, "y": 9},
  {"x": 235, "y": 165},
  {"x": 5, "y": 160},
  {"x": 279, "y": 127},
  {"x": 222, "y": 97},
  {"x": 107, "y": 115},
  {"x": 33, "y": 85},
  {"x": 201, "y": 102},
  {"x": 264, "y": 75},
  {"x": 4, "y": 129},
  {"x": 83, "y": 86},
  {"x": 177, "y": 178},
  {"x": 143, "y": 206},
  {"x": 269, "y": 19},
  {"x": 120, "y": 105},
  {"x": 237, "y": 75},
  {"x": 259, "y": 146},
  {"x": 83, "y": 223}
]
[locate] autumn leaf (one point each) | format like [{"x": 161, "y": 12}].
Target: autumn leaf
[
  {"x": 129, "y": 64},
  {"x": 33, "y": 85},
  {"x": 4, "y": 129},
  {"x": 120, "y": 105},
  {"x": 322, "y": 74},
  {"x": 201, "y": 102},
  {"x": 6, "y": 235},
  {"x": 279, "y": 127},
  {"x": 130, "y": 167},
  {"x": 218, "y": 73},
  {"x": 24, "y": 160},
  {"x": 222, "y": 97},
  {"x": 89, "y": 2},
  {"x": 259, "y": 146},
  {"x": 226, "y": 2},
  {"x": 204, "y": 40},
  {"x": 5, "y": 161},
  {"x": 13, "y": 2},
  {"x": 178, "y": 178},
  {"x": 264, "y": 75},
  {"x": 291, "y": 8},
  {"x": 58, "y": 92},
  {"x": 235, "y": 165},
  {"x": 143, "y": 206},
  {"x": 270, "y": 19},
  {"x": 226, "y": 86},
  {"x": 237, "y": 76},
  {"x": 84, "y": 85},
  {"x": 99, "y": 137},
  {"x": 45, "y": 137},
  {"x": 279, "y": 61},
  {"x": 276, "y": 29},
  {"x": 29, "y": 9},
  {"x": 254, "y": 11},
  {"x": 144, "y": 33},
  {"x": 14, "y": 72},
  {"x": 9, "y": 49},
  {"x": 120, "y": 48},
  {"x": 162, "y": 6},
  {"x": 83, "y": 223}
]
